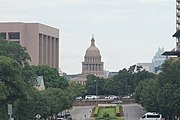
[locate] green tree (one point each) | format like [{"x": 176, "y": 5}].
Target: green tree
[
  {"x": 76, "y": 90},
  {"x": 122, "y": 82},
  {"x": 163, "y": 93},
  {"x": 57, "y": 100},
  {"x": 95, "y": 84},
  {"x": 10, "y": 76},
  {"x": 11, "y": 83},
  {"x": 146, "y": 94},
  {"x": 28, "y": 75},
  {"x": 142, "y": 75},
  {"x": 14, "y": 76},
  {"x": 51, "y": 76},
  {"x": 169, "y": 89},
  {"x": 35, "y": 104},
  {"x": 169, "y": 100},
  {"x": 91, "y": 84},
  {"x": 14, "y": 51},
  {"x": 108, "y": 87},
  {"x": 48, "y": 102}
]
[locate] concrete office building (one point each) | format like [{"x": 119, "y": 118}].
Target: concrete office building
[
  {"x": 146, "y": 66},
  {"x": 41, "y": 41},
  {"x": 158, "y": 60}
]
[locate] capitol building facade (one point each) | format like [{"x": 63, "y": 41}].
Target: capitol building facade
[
  {"x": 92, "y": 61},
  {"x": 92, "y": 64}
]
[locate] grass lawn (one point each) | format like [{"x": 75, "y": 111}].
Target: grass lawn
[{"x": 111, "y": 111}]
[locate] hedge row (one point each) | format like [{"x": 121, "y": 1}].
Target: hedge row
[
  {"x": 96, "y": 111},
  {"x": 117, "y": 111}
]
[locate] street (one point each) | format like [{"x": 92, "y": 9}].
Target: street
[
  {"x": 132, "y": 111},
  {"x": 81, "y": 112}
]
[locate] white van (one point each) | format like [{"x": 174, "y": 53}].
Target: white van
[{"x": 152, "y": 116}]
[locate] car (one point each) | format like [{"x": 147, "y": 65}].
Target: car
[
  {"x": 111, "y": 97},
  {"x": 79, "y": 98},
  {"x": 68, "y": 116},
  {"x": 90, "y": 97},
  {"x": 116, "y": 102},
  {"x": 60, "y": 116},
  {"x": 152, "y": 116},
  {"x": 126, "y": 97},
  {"x": 64, "y": 116},
  {"x": 61, "y": 119}
]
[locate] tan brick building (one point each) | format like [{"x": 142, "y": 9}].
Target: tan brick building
[{"x": 41, "y": 41}]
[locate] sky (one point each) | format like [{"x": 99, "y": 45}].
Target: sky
[{"x": 125, "y": 31}]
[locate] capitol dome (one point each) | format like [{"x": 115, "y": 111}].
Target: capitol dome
[
  {"x": 92, "y": 61},
  {"x": 92, "y": 51}
]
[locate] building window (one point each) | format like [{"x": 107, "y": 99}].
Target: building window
[
  {"x": 14, "y": 35},
  {"x": 3, "y": 35}
]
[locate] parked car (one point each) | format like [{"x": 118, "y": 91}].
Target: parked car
[
  {"x": 64, "y": 116},
  {"x": 111, "y": 97},
  {"x": 68, "y": 116},
  {"x": 79, "y": 98},
  {"x": 152, "y": 116},
  {"x": 126, "y": 97},
  {"x": 61, "y": 119},
  {"x": 90, "y": 97},
  {"x": 116, "y": 102}
]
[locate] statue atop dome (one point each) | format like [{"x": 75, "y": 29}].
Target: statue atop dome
[{"x": 92, "y": 41}]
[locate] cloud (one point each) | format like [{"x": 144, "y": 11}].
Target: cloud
[{"x": 110, "y": 20}]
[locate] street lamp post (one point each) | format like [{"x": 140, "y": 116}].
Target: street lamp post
[
  {"x": 96, "y": 90},
  {"x": 9, "y": 110}
]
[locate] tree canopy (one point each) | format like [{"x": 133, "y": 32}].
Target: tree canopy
[
  {"x": 163, "y": 93},
  {"x": 17, "y": 80},
  {"x": 51, "y": 76},
  {"x": 11, "y": 83},
  {"x": 169, "y": 88},
  {"x": 124, "y": 83},
  {"x": 14, "y": 51}
]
